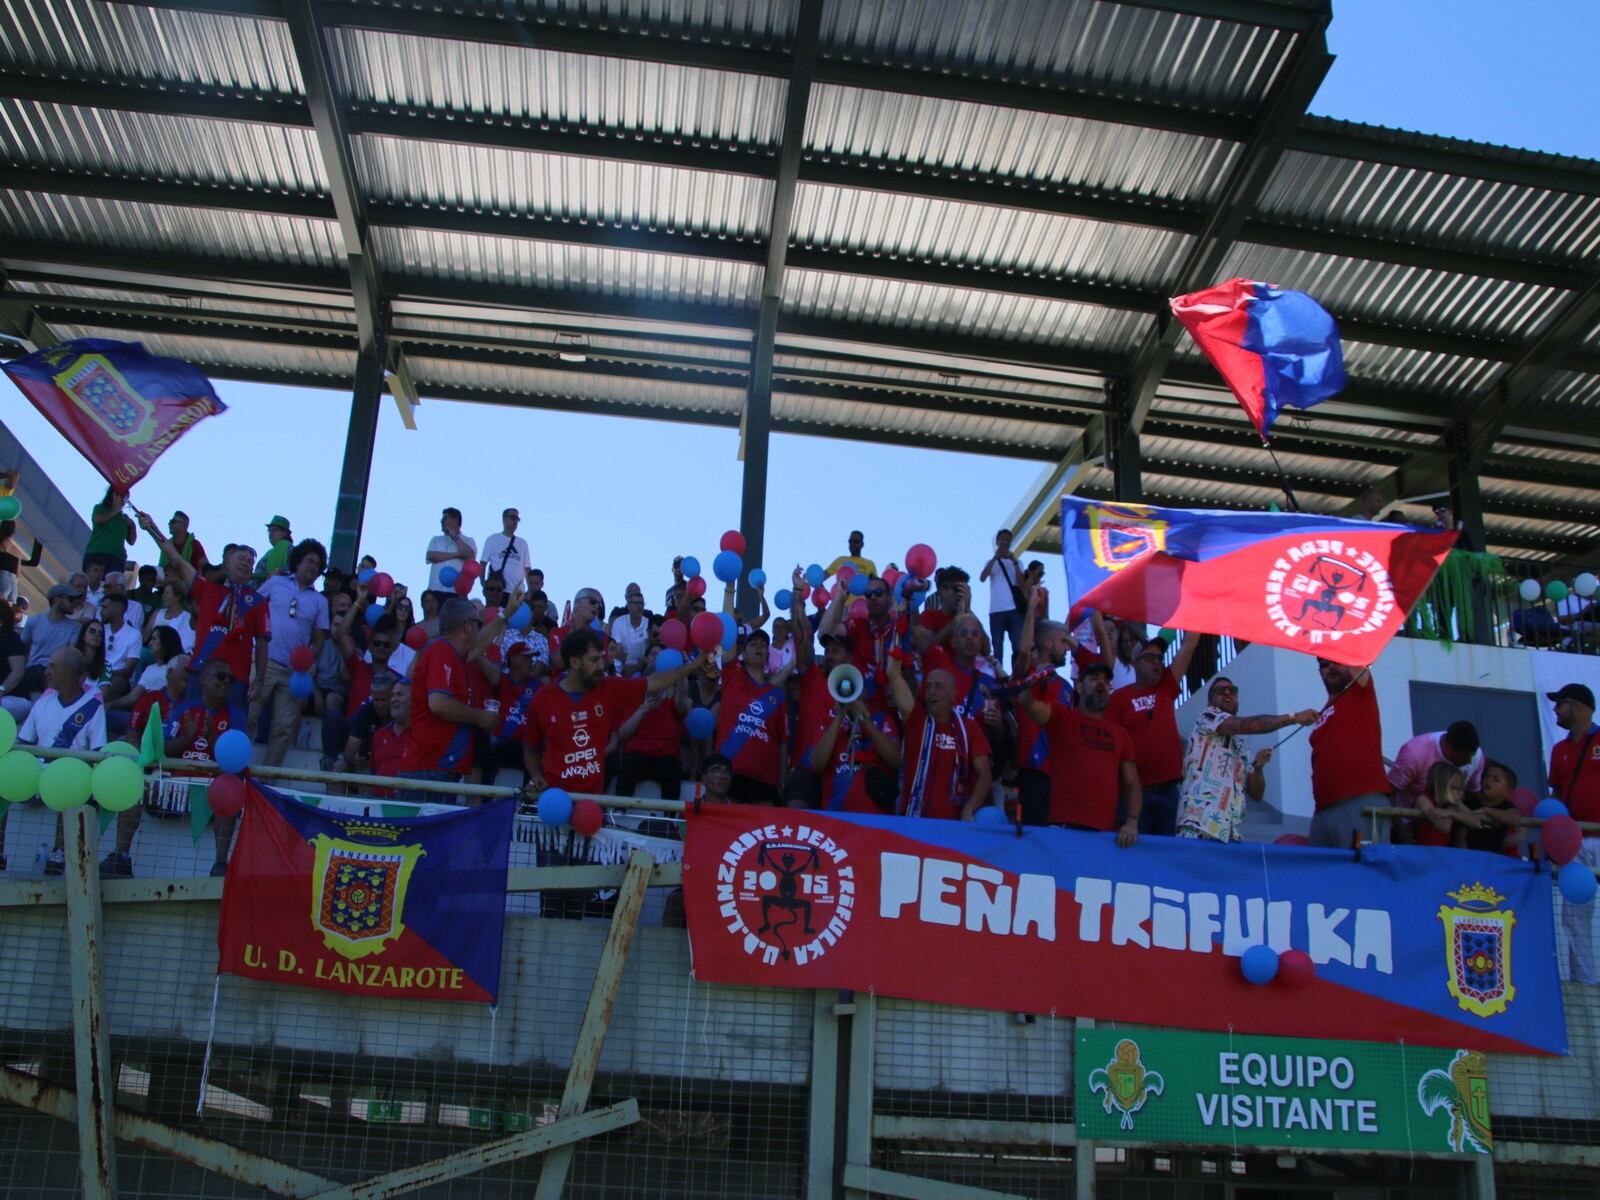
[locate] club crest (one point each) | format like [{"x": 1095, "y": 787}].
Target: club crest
[
  {"x": 1126, "y": 1083},
  {"x": 1477, "y": 944},
  {"x": 359, "y": 893},
  {"x": 101, "y": 392},
  {"x": 1462, "y": 1091},
  {"x": 1121, "y": 534}
]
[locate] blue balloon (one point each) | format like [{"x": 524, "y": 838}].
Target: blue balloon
[
  {"x": 448, "y": 576},
  {"x": 596, "y": 625},
  {"x": 232, "y": 751},
  {"x": 730, "y": 631},
  {"x": 758, "y": 577},
  {"x": 520, "y": 619},
  {"x": 300, "y": 685},
  {"x": 375, "y": 613},
  {"x": 366, "y": 576},
  {"x": 668, "y": 660},
  {"x": 1260, "y": 964},
  {"x": 727, "y": 566},
  {"x": 1577, "y": 884},
  {"x": 815, "y": 575},
  {"x": 1550, "y": 807},
  {"x": 784, "y": 600},
  {"x": 993, "y": 816},
  {"x": 555, "y": 806},
  {"x": 690, "y": 566},
  {"x": 700, "y": 723},
  {"x": 858, "y": 584}
]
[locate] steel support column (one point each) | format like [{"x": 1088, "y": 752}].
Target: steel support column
[
  {"x": 351, "y": 508},
  {"x": 1122, "y": 443}
]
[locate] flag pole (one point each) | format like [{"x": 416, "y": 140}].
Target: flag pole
[{"x": 1283, "y": 478}]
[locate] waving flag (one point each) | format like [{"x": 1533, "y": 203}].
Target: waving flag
[
  {"x": 1273, "y": 347},
  {"x": 1323, "y": 585},
  {"x": 118, "y": 404},
  {"x": 406, "y": 908}
]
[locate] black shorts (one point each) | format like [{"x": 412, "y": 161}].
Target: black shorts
[
  {"x": 744, "y": 790},
  {"x": 666, "y": 770},
  {"x": 1033, "y": 794}
]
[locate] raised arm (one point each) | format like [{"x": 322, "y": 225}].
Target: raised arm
[
  {"x": 186, "y": 571},
  {"x": 1266, "y": 723},
  {"x": 899, "y": 690},
  {"x": 833, "y": 616},
  {"x": 1038, "y": 710},
  {"x": 1186, "y": 648},
  {"x": 804, "y": 647}
]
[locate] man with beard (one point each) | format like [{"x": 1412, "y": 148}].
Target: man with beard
[
  {"x": 1347, "y": 768},
  {"x": 1091, "y": 759},
  {"x": 869, "y": 638},
  {"x": 1218, "y": 772}
]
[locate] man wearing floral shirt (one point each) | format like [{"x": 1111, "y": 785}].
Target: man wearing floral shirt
[{"x": 1218, "y": 772}]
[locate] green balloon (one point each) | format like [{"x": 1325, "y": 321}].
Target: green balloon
[
  {"x": 19, "y": 777},
  {"x": 118, "y": 784},
  {"x": 65, "y": 783},
  {"x": 8, "y": 731},
  {"x": 1168, "y": 636},
  {"x": 125, "y": 749},
  {"x": 1556, "y": 590},
  {"x": 10, "y": 508}
]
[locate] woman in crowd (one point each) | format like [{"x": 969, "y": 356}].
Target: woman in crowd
[{"x": 173, "y": 615}]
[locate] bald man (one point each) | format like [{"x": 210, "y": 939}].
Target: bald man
[{"x": 945, "y": 769}]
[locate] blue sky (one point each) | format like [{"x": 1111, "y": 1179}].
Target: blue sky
[{"x": 605, "y": 500}]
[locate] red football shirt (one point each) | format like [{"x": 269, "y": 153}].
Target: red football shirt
[
  {"x": 970, "y": 685},
  {"x": 571, "y": 730},
  {"x": 432, "y": 743},
  {"x": 856, "y": 757},
  {"x": 1582, "y": 801},
  {"x": 752, "y": 725},
  {"x": 660, "y": 733},
  {"x": 388, "y": 749},
  {"x": 1150, "y": 715},
  {"x": 205, "y": 725},
  {"x": 225, "y": 625},
  {"x": 140, "y": 712},
  {"x": 1033, "y": 747},
  {"x": 816, "y": 713},
  {"x": 1085, "y": 765},
  {"x": 948, "y": 772},
  {"x": 1347, "y": 748}
]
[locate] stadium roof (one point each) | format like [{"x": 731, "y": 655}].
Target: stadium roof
[{"x": 948, "y": 223}]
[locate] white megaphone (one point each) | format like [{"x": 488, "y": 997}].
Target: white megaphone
[{"x": 845, "y": 684}]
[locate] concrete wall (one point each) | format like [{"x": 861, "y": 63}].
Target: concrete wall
[{"x": 46, "y": 515}]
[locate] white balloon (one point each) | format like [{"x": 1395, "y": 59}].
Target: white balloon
[
  {"x": 1586, "y": 585},
  {"x": 1529, "y": 590}
]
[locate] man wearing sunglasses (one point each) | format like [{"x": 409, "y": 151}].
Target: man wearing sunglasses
[
  {"x": 294, "y": 614},
  {"x": 869, "y": 638},
  {"x": 1219, "y": 774},
  {"x": 505, "y": 553}
]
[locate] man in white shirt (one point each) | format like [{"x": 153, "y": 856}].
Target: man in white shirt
[
  {"x": 68, "y": 717},
  {"x": 123, "y": 644},
  {"x": 296, "y": 616},
  {"x": 506, "y": 554},
  {"x": 450, "y": 548}
]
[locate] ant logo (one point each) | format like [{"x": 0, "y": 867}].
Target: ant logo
[{"x": 792, "y": 899}]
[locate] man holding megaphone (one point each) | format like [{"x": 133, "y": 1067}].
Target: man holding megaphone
[{"x": 810, "y": 778}]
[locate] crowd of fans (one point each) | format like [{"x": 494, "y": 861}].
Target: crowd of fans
[{"x": 1077, "y": 728}]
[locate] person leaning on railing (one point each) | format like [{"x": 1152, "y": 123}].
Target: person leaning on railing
[{"x": 1575, "y": 779}]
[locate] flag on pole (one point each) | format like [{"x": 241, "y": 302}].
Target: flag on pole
[
  {"x": 1323, "y": 585},
  {"x": 1273, "y": 347},
  {"x": 118, "y": 404},
  {"x": 152, "y": 745}
]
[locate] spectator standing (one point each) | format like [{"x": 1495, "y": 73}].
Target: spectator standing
[
  {"x": 952, "y": 596},
  {"x": 870, "y": 638},
  {"x": 12, "y": 560},
  {"x": 753, "y": 724},
  {"x": 863, "y": 566},
  {"x": 196, "y": 725},
  {"x": 388, "y": 748},
  {"x": 1006, "y": 602},
  {"x": 505, "y": 554},
  {"x": 68, "y": 717},
  {"x": 945, "y": 769},
  {"x": 47, "y": 632},
  {"x": 652, "y": 738},
  {"x": 860, "y": 753},
  {"x": 806, "y": 786},
  {"x": 963, "y": 659},
  {"x": 111, "y": 532},
  {"x": 122, "y": 645},
  {"x": 186, "y": 544},
  {"x": 1219, "y": 774},
  {"x": 448, "y": 548},
  {"x": 1575, "y": 780},
  {"x": 280, "y": 541},
  {"x": 1054, "y": 643},
  {"x": 293, "y": 614},
  {"x": 1148, "y": 709},
  {"x": 367, "y": 718},
  {"x": 1458, "y": 746},
  {"x": 444, "y": 712},
  {"x": 1347, "y": 769},
  {"x": 513, "y": 684},
  {"x": 1092, "y": 764},
  {"x": 13, "y": 662},
  {"x": 631, "y": 630}
]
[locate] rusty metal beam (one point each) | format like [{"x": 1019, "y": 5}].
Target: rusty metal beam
[{"x": 91, "y": 1039}]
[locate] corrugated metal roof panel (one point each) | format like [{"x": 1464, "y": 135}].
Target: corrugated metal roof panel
[
  {"x": 1092, "y": 155},
  {"x": 896, "y": 226},
  {"x": 910, "y": 378},
  {"x": 1030, "y": 438},
  {"x": 153, "y": 146},
  {"x": 1401, "y": 295},
  {"x": 419, "y": 329},
  {"x": 768, "y": 23},
  {"x": 925, "y": 306},
  {"x": 61, "y": 37},
  {"x": 198, "y": 305},
  {"x": 219, "y": 355},
  {"x": 1568, "y": 392},
  {"x": 558, "y": 265},
  {"x": 564, "y": 89},
  {"x": 598, "y": 390},
  {"x": 194, "y": 232},
  {"x": 477, "y": 178},
  {"x": 1403, "y": 203},
  {"x": 1108, "y": 48}
]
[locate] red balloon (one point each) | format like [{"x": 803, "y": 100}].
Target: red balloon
[
  {"x": 382, "y": 584},
  {"x": 892, "y": 575},
  {"x": 706, "y": 630},
  {"x": 697, "y": 586},
  {"x": 858, "y": 609},
  {"x": 674, "y": 634},
  {"x": 301, "y": 658},
  {"x": 416, "y": 637},
  {"x": 587, "y": 818},
  {"x": 1290, "y": 839},
  {"x": 226, "y": 795},
  {"x": 1296, "y": 969},
  {"x": 472, "y": 567},
  {"x": 733, "y": 540},
  {"x": 463, "y": 584},
  {"x": 491, "y": 614},
  {"x": 921, "y": 561},
  {"x": 1524, "y": 801},
  {"x": 820, "y": 597},
  {"x": 1562, "y": 839},
  {"x": 844, "y": 574}
]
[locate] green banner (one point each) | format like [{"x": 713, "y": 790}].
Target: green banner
[{"x": 1155, "y": 1085}]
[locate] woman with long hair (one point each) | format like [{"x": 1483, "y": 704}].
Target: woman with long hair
[
  {"x": 164, "y": 644},
  {"x": 91, "y": 644},
  {"x": 174, "y": 614},
  {"x": 111, "y": 531}
]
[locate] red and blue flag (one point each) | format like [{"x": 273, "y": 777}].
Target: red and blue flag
[
  {"x": 1273, "y": 347},
  {"x": 118, "y": 404},
  {"x": 1323, "y": 585},
  {"x": 408, "y": 908}
]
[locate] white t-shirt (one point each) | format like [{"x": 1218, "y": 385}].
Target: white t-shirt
[
  {"x": 514, "y": 566},
  {"x": 49, "y": 718},
  {"x": 634, "y": 641},
  {"x": 154, "y": 677},
  {"x": 1004, "y": 574},
  {"x": 439, "y": 544},
  {"x": 183, "y": 625},
  {"x": 400, "y": 660},
  {"x": 123, "y": 646}
]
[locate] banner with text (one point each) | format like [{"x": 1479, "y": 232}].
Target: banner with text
[
  {"x": 1210, "y": 1089},
  {"x": 1434, "y": 946}
]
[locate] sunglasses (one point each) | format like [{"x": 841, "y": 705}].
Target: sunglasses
[
  {"x": 294, "y": 606},
  {"x": 379, "y": 645},
  {"x": 224, "y": 676},
  {"x": 1224, "y": 691},
  {"x": 876, "y": 592}
]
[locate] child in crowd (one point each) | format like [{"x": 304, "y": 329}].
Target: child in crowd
[{"x": 1445, "y": 818}]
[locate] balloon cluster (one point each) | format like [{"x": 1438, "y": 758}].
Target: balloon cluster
[
  {"x": 1561, "y": 838},
  {"x": 1262, "y": 964},
  {"x": 116, "y": 782},
  {"x": 557, "y": 807},
  {"x": 1583, "y": 586}
]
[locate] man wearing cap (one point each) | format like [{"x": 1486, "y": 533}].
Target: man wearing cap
[
  {"x": 187, "y": 545},
  {"x": 280, "y": 541},
  {"x": 1575, "y": 779},
  {"x": 1091, "y": 759},
  {"x": 71, "y": 717},
  {"x": 47, "y": 632},
  {"x": 513, "y": 683}
]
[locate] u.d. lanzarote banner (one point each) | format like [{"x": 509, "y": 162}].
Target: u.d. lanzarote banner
[{"x": 1438, "y": 947}]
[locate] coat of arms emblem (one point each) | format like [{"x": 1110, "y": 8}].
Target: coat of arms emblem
[
  {"x": 1477, "y": 949},
  {"x": 359, "y": 893},
  {"x": 1463, "y": 1091},
  {"x": 1125, "y": 1082},
  {"x": 102, "y": 393},
  {"x": 1121, "y": 534}
]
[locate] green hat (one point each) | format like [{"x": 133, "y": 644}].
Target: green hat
[{"x": 280, "y": 522}]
